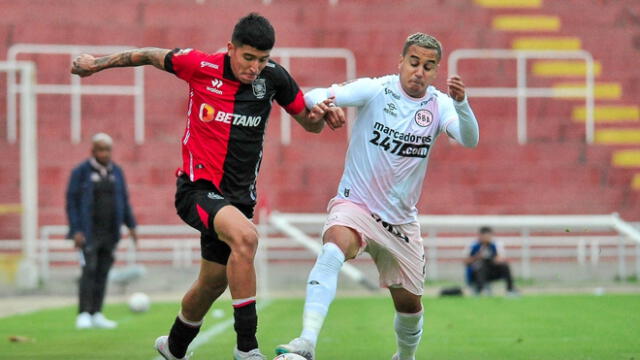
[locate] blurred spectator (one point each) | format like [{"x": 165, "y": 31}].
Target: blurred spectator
[
  {"x": 486, "y": 263},
  {"x": 97, "y": 205}
]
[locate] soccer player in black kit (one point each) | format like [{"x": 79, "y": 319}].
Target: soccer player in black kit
[{"x": 230, "y": 98}]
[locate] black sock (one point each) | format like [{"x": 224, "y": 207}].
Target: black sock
[
  {"x": 246, "y": 324},
  {"x": 180, "y": 337}
]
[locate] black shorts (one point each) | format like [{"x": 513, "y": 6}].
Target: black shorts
[{"x": 197, "y": 204}]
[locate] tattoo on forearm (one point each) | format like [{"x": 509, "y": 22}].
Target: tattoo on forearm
[{"x": 134, "y": 57}]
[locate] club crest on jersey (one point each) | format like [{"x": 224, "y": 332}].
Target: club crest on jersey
[
  {"x": 423, "y": 117},
  {"x": 259, "y": 88}
]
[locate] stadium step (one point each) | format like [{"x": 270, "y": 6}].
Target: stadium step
[
  {"x": 563, "y": 68},
  {"x": 635, "y": 183},
  {"x": 602, "y": 90},
  {"x": 509, "y": 4},
  {"x": 526, "y": 23},
  {"x": 609, "y": 113},
  {"x": 626, "y": 158},
  {"x": 547, "y": 43},
  {"x": 629, "y": 136},
  {"x": 10, "y": 208}
]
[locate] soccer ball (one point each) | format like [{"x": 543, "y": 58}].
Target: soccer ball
[
  {"x": 289, "y": 357},
  {"x": 139, "y": 302}
]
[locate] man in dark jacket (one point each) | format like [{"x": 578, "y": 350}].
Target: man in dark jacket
[
  {"x": 97, "y": 205},
  {"x": 486, "y": 264}
]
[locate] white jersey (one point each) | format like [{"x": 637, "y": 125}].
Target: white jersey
[{"x": 390, "y": 143}]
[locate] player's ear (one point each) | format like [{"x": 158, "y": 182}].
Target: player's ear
[
  {"x": 400, "y": 61},
  {"x": 230, "y": 46}
]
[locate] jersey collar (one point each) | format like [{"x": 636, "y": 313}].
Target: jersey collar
[{"x": 427, "y": 94}]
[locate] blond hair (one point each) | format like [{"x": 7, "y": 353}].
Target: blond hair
[{"x": 425, "y": 41}]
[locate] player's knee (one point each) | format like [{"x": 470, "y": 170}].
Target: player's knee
[
  {"x": 410, "y": 307},
  {"x": 347, "y": 240},
  {"x": 245, "y": 244}
]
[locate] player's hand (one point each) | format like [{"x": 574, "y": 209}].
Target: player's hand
[
  {"x": 332, "y": 115},
  {"x": 83, "y": 65},
  {"x": 335, "y": 117},
  {"x": 78, "y": 240},
  {"x": 456, "y": 88},
  {"x": 134, "y": 237}
]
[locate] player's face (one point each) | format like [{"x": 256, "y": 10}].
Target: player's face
[
  {"x": 102, "y": 152},
  {"x": 418, "y": 69},
  {"x": 247, "y": 62}
]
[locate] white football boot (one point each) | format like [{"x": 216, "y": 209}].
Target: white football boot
[
  {"x": 83, "y": 321},
  {"x": 300, "y": 346},
  {"x": 162, "y": 345},
  {"x": 254, "y": 354},
  {"x": 99, "y": 321}
]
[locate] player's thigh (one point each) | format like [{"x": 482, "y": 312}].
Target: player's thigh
[
  {"x": 234, "y": 228},
  {"x": 346, "y": 238},
  {"x": 405, "y": 301},
  {"x": 398, "y": 252},
  {"x": 197, "y": 203}
]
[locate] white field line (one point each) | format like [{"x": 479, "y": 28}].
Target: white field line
[{"x": 213, "y": 331}]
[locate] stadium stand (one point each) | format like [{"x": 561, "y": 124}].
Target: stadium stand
[{"x": 556, "y": 172}]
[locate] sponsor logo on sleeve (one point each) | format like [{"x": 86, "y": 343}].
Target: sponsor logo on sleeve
[
  {"x": 208, "y": 64},
  {"x": 388, "y": 91}
]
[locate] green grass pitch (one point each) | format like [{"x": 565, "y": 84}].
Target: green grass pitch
[{"x": 529, "y": 328}]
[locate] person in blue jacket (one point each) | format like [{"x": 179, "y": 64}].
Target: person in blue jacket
[
  {"x": 485, "y": 263},
  {"x": 97, "y": 206}
]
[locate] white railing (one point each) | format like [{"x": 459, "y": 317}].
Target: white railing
[
  {"x": 522, "y": 92},
  {"x": 293, "y": 225},
  {"x": 75, "y": 89},
  {"x": 585, "y": 239},
  {"x": 28, "y": 166}
]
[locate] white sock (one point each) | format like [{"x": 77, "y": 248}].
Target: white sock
[
  {"x": 408, "y": 333},
  {"x": 321, "y": 290}
]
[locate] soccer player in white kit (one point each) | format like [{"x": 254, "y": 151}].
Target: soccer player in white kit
[{"x": 398, "y": 121}]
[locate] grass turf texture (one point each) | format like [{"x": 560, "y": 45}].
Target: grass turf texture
[{"x": 536, "y": 327}]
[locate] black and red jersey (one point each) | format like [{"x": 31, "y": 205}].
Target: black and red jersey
[{"x": 226, "y": 119}]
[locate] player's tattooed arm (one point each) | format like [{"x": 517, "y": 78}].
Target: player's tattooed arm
[{"x": 85, "y": 64}]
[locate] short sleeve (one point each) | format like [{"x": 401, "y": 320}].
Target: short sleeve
[
  {"x": 288, "y": 94},
  {"x": 447, "y": 112},
  {"x": 183, "y": 62}
]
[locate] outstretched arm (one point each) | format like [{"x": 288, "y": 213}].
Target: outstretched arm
[
  {"x": 325, "y": 111},
  {"x": 465, "y": 129},
  {"x": 85, "y": 64}
]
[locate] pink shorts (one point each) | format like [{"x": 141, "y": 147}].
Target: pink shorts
[{"x": 397, "y": 250}]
